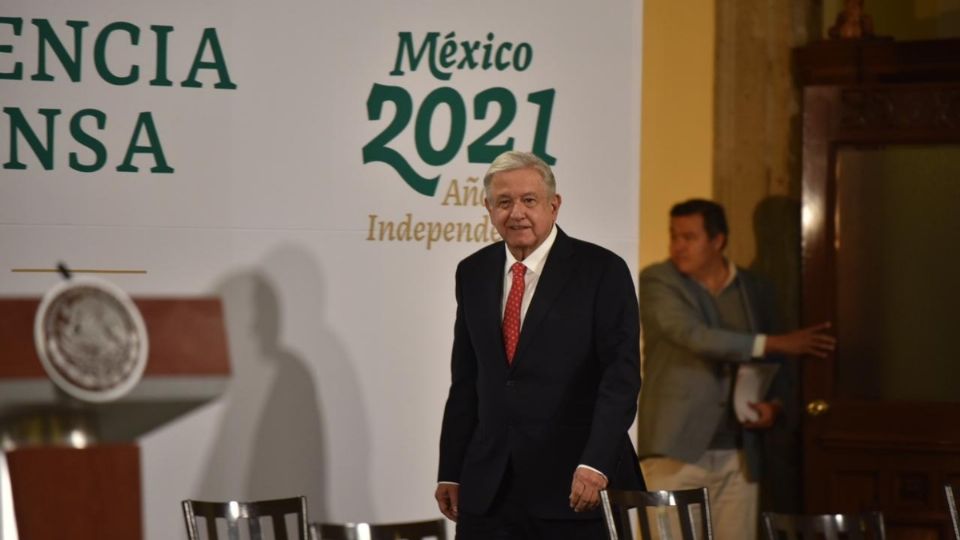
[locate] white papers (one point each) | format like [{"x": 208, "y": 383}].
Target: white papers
[{"x": 753, "y": 382}]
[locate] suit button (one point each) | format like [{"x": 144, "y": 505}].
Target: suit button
[{"x": 511, "y": 382}]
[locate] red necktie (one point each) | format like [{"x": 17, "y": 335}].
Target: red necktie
[{"x": 511, "y": 313}]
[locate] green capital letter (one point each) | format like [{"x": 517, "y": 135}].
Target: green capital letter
[
  {"x": 18, "y": 123},
  {"x": 91, "y": 142},
  {"x": 145, "y": 122},
  {"x": 49, "y": 38},
  {"x": 209, "y": 39},
  {"x": 100, "y": 54},
  {"x": 17, "y": 74}
]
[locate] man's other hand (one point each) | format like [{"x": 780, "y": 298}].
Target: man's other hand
[
  {"x": 812, "y": 340},
  {"x": 448, "y": 496},
  {"x": 767, "y": 411},
  {"x": 585, "y": 489}
]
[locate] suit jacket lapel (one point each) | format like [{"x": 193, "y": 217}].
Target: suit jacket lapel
[
  {"x": 556, "y": 272},
  {"x": 697, "y": 295}
]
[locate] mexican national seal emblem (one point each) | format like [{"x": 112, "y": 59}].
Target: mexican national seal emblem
[{"x": 91, "y": 339}]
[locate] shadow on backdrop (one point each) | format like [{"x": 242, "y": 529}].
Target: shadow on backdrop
[{"x": 277, "y": 433}]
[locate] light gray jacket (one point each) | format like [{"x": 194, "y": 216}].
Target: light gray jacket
[{"x": 688, "y": 362}]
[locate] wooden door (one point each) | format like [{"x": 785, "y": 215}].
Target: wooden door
[{"x": 881, "y": 259}]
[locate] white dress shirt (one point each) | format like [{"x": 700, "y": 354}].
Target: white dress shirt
[{"x": 534, "y": 263}]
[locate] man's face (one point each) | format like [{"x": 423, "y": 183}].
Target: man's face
[
  {"x": 521, "y": 209},
  {"x": 691, "y": 250}
]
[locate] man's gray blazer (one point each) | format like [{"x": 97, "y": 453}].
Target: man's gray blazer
[{"x": 688, "y": 362}]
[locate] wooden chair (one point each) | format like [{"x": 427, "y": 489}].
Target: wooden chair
[
  {"x": 235, "y": 513},
  {"x": 953, "y": 493},
  {"x": 617, "y": 504},
  {"x": 862, "y": 526},
  {"x": 411, "y": 530}
]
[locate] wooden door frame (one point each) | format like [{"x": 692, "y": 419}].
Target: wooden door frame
[
  {"x": 875, "y": 111},
  {"x": 835, "y": 116}
]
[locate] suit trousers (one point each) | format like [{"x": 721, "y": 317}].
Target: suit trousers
[
  {"x": 508, "y": 519},
  {"x": 734, "y": 499}
]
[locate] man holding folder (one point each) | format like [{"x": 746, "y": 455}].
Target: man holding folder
[{"x": 706, "y": 323}]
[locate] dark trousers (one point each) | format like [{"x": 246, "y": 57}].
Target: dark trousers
[{"x": 508, "y": 519}]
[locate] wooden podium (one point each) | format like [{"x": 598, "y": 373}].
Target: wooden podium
[{"x": 75, "y": 466}]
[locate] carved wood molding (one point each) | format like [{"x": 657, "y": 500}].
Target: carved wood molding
[
  {"x": 877, "y": 61},
  {"x": 898, "y": 108}
]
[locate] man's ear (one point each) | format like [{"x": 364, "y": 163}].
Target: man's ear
[
  {"x": 555, "y": 203},
  {"x": 719, "y": 241}
]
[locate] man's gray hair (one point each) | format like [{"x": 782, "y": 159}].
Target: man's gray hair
[{"x": 512, "y": 160}]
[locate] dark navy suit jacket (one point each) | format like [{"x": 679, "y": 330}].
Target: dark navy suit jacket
[{"x": 569, "y": 396}]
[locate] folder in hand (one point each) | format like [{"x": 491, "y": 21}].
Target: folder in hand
[{"x": 753, "y": 382}]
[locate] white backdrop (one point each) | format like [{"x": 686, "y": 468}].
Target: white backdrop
[{"x": 339, "y": 338}]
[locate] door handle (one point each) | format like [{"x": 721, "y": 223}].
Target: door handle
[{"x": 817, "y": 407}]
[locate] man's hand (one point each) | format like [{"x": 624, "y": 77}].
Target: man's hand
[
  {"x": 448, "y": 496},
  {"x": 768, "y": 414},
  {"x": 813, "y": 340},
  {"x": 585, "y": 490}
]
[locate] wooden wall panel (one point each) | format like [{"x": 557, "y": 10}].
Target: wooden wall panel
[{"x": 80, "y": 494}]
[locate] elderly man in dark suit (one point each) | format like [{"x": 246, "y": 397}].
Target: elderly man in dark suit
[{"x": 545, "y": 372}]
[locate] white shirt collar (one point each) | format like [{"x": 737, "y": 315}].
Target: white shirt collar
[
  {"x": 731, "y": 277},
  {"x": 731, "y": 274},
  {"x": 535, "y": 260}
]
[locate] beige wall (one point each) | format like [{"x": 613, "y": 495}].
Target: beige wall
[{"x": 676, "y": 151}]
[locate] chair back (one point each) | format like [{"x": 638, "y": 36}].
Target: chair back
[
  {"x": 237, "y": 514},
  {"x": 692, "y": 509},
  {"x": 411, "y": 530},
  {"x": 862, "y": 526},
  {"x": 953, "y": 493}
]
